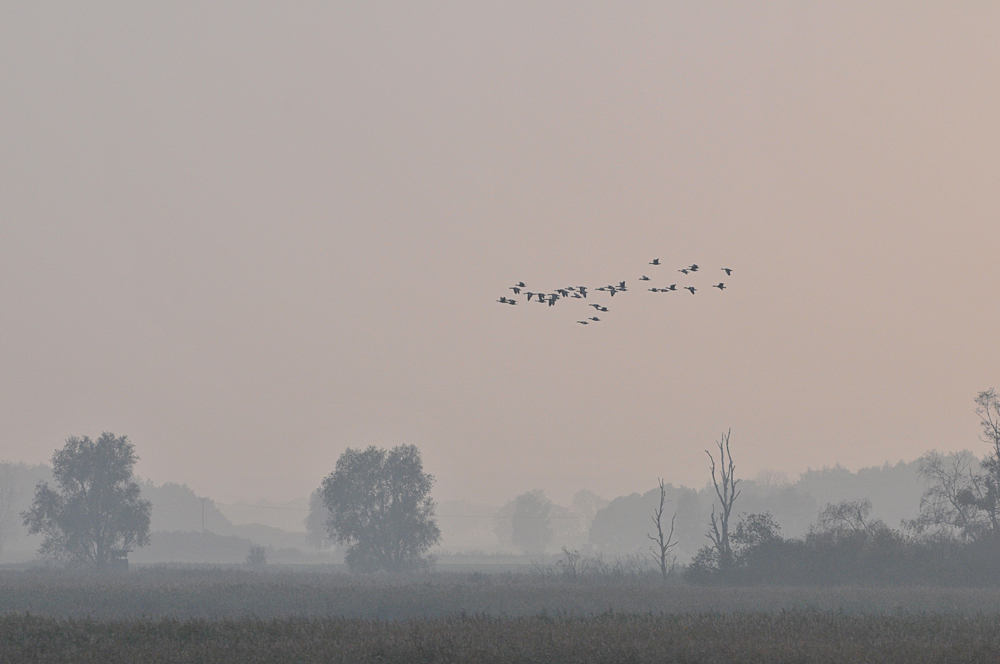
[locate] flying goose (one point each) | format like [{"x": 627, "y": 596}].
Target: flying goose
[{"x": 690, "y": 288}]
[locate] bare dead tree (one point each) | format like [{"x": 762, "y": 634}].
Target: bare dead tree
[
  {"x": 663, "y": 543},
  {"x": 954, "y": 487},
  {"x": 850, "y": 516},
  {"x": 725, "y": 488}
]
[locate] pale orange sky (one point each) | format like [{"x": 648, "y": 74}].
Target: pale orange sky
[{"x": 249, "y": 236}]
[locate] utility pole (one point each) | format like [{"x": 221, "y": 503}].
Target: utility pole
[{"x": 203, "y": 515}]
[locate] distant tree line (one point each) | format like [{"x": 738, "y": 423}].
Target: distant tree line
[
  {"x": 376, "y": 504},
  {"x": 955, "y": 539}
]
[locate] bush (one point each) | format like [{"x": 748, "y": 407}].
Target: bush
[{"x": 257, "y": 556}]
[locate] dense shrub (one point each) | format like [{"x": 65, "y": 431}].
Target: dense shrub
[{"x": 876, "y": 555}]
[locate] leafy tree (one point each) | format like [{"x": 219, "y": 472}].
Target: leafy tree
[
  {"x": 531, "y": 526},
  {"x": 380, "y": 508},
  {"x": 97, "y": 509},
  {"x": 755, "y": 537},
  {"x": 754, "y": 531}
]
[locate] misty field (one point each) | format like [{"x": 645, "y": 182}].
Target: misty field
[
  {"x": 713, "y": 637},
  {"x": 219, "y": 615},
  {"x": 214, "y": 594}
]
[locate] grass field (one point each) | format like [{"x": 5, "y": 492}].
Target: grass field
[
  {"x": 171, "y": 615},
  {"x": 215, "y": 594},
  {"x": 735, "y": 637}
]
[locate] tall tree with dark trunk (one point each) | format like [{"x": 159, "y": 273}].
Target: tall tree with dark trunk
[
  {"x": 380, "y": 508},
  {"x": 97, "y": 512}
]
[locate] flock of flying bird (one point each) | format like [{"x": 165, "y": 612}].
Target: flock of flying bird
[{"x": 580, "y": 292}]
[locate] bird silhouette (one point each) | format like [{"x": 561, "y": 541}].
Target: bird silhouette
[{"x": 580, "y": 292}]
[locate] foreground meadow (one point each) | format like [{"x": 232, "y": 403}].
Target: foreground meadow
[
  {"x": 218, "y": 615},
  {"x": 233, "y": 594},
  {"x": 735, "y": 637}
]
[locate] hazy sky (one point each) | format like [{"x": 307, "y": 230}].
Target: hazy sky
[{"x": 250, "y": 235}]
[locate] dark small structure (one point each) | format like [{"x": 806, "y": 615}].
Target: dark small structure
[{"x": 118, "y": 560}]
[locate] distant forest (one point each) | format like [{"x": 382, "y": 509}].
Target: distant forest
[{"x": 620, "y": 526}]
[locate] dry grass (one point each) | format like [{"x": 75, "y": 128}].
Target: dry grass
[
  {"x": 164, "y": 615},
  {"x": 753, "y": 637},
  {"x": 215, "y": 594}
]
